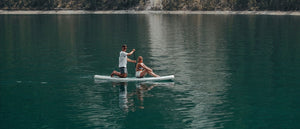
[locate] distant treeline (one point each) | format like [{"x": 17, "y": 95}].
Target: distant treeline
[{"x": 283, "y": 5}]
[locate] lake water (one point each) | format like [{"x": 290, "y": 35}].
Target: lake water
[{"x": 231, "y": 71}]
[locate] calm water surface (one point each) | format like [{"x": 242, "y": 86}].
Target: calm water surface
[{"x": 232, "y": 71}]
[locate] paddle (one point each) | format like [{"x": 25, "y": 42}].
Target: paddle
[
  {"x": 135, "y": 61},
  {"x": 134, "y": 58}
]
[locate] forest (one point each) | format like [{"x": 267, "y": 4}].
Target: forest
[{"x": 168, "y": 5}]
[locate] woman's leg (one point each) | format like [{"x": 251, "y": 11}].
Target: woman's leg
[
  {"x": 149, "y": 72},
  {"x": 153, "y": 74},
  {"x": 143, "y": 73}
]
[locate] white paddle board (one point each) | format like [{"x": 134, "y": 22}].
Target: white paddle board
[{"x": 129, "y": 79}]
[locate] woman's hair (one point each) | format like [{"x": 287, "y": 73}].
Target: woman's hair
[{"x": 140, "y": 58}]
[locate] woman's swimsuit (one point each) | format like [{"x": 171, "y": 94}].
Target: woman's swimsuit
[{"x": 138, "y": 73}]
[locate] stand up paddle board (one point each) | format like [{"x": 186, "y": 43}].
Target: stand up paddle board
[{"x": 129, "y": 79}]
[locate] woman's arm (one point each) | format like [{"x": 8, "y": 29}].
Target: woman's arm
[{"x": 145, "y": 67}]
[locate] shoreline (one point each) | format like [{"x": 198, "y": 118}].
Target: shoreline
[{"x": 64, "y": 12}]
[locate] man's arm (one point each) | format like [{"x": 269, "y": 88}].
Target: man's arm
[
  {"x": 129, "y": 60},
  {"x": 130, "y": 53}
]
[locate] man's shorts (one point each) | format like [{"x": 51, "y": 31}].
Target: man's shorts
[{"x": 123, "y": 70}]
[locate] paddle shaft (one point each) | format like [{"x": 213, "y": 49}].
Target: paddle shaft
[{"x": 135, "y": 60}]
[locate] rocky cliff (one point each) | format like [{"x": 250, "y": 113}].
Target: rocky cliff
[{"x": 220, "y": 5}]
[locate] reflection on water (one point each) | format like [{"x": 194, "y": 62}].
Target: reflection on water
[
  {"x": 135, "y": 99},
  {"x": 196, "y": 55},
  {"x": 123, "y": 100}
]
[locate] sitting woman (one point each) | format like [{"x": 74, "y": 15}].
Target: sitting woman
[{"x": 142, "y": 69}]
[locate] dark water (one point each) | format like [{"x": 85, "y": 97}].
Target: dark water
[{"x": 232, "y": 71}]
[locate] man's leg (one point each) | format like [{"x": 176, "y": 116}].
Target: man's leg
[
  {"x": 124, "y": 75},
  {"x": 123, "y": 72},
  {"x": 115, "y": 73}
]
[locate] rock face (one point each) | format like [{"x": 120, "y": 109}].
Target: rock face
[
  {"x": 155, "y": 5},
  {"x": 207, "y": 5}
]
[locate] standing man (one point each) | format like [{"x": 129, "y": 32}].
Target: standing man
[{"x": 123, "y": 62}]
